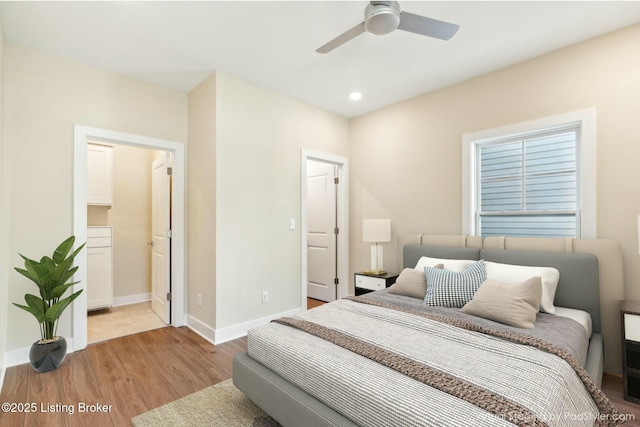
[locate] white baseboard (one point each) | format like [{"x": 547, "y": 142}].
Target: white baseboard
[
  {"x": 131, "y": 299},
  {"x": 202, "y": 329},
  {"x": 240, "y": 330},
  {"x": 20, "y": 356},
  {"x": 218, "y": 336}
]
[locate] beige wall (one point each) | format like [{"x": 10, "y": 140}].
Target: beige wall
[
  {"x": 130, "y": 217},
  {"x": 201, "y": 202},
  {"x": 44, "y": 97},
  {"x": 259, "y": 137},
  {"x": 406, "y": 159},
  {"x": 243, "y": 187}
]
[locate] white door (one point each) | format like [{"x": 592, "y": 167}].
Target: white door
[
  {"x": 160, "y": 242},
  {"x": 321, "y": 231}
]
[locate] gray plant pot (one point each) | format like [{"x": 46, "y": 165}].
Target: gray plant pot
[{"x": 48, "y": 356}]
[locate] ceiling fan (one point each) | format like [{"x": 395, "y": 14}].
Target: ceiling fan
[{"x": 382, "y": 17}]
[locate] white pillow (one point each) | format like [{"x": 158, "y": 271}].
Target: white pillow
[
  {"x": 455, "y": 265},
  {"x": 515, "y": 274}
]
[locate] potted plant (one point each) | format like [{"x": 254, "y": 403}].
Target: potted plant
[{"x": 51, "y": 275}]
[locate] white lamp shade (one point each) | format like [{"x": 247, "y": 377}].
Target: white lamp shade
[{"x": 376, "y": 230}]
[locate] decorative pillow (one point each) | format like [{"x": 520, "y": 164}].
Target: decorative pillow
[
  {"x": 453, "y": 289},
  {"x": 411, "y": 283},
  {"x": 513, "y": 305},
  {"x": 448, "y": 264},
  {"x": 509, "y": 274}
]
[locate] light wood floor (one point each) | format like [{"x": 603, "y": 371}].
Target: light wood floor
[
  {"x": 134, "y": 374},
  {"x": 140, "y": 372},
  {"x": 120, "y": 321},
  {"x": 311, "y": 303},
  {"x": 612, "y": 387}
]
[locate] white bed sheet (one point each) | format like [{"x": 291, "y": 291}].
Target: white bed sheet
[{"x": 582, "y": 317}]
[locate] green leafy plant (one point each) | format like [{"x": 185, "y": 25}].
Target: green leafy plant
[{"x": 51, "y": 275}]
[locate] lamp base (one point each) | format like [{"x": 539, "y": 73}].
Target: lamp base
[
  {"x": 377, "y": 267},
  {"x": 374, "y": 273}
]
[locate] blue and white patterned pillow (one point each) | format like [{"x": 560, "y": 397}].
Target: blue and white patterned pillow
[{"x": 453, "y": 289}]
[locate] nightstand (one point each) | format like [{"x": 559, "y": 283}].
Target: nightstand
[
  {"x": 630, "y": 317},
  {"x": 365, "y": 284}
]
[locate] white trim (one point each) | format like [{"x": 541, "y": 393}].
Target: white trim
[
  {"x": 587, "y": 119},
  {"x": 20, "y": 356},
  {"x": 468, "y": 188},
  {"x": 3, "y": 371},
  {"x": 588, "y": 174},
  {"x": 202, "y": 329},
  {"x": 131, "y": 299},
  {"x": 343, "y": 221},
  {"x": 4, "y": 258},
  {"x": 236, "y": 331},
  {"x": 82, "y": 135},
  {"x": 232, "y": 332}
]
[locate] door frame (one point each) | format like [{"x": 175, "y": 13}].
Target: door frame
[
  {"x": 343, "y": 221},
  {"x": 84, "y": 134}
]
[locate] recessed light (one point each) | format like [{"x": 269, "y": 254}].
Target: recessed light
[{"x": 355, "y": 96}]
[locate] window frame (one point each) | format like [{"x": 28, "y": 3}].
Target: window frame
[{"x": 585, "y": 169}]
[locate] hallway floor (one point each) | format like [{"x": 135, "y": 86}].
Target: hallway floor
[
  {"x": 312, "y": 303},
  {"x": 120, "y": 321}
]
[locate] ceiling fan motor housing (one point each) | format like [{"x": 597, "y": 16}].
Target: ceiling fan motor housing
[{"x": 382, "y": 17}]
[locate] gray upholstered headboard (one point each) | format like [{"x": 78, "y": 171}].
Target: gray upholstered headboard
[{"x": 578, "y": 286}]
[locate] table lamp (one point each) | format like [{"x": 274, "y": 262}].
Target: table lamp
[{"x": 377, "y": 231}]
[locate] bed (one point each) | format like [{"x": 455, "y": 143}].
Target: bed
[{"x": 383, "y": 359}]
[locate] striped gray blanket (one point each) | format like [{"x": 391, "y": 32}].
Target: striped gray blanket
[{"x": 380, "y": 366}]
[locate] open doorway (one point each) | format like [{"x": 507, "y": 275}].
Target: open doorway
[
  {"x": 128, "y": 250},
  {"x": 324, "y": 228},
  {"x": 174, "y": 234}
]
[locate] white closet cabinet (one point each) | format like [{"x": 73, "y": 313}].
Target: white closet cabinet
[
  {"x": 99, "y": 175},
  {"x": 99, "y": 268}
]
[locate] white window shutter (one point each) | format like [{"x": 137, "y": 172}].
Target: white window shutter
[{"x": 528, "y": 186}]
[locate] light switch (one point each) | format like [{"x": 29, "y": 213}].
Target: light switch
[{"x": 292, "y": 224}]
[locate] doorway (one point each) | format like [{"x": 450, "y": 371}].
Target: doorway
[
  {"x": 175, "y": 249},
  {"x": 128, "y": 266},
  {"x": 324, "y": 227}
]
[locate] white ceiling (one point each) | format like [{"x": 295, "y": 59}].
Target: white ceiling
[{"x": 177, "y": 44}]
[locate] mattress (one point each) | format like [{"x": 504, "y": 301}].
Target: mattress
[{"x": 355, "y": 385}]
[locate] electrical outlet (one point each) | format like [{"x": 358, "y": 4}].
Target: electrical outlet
[
  {"x": 200, "y": 300},
  {"x": 265, "y": 296}
]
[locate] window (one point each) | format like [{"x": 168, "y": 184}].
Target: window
[
  {"x": 527, "y": 185},
  {"x": 534, "y": 179}
]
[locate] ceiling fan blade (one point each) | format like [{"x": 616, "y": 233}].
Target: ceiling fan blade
[
  {"x": 342, "y": 39},
  {"x": 427, "y": 26}
]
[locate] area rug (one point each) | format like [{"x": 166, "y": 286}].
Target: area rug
[{"x": 221, "y": 404}]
